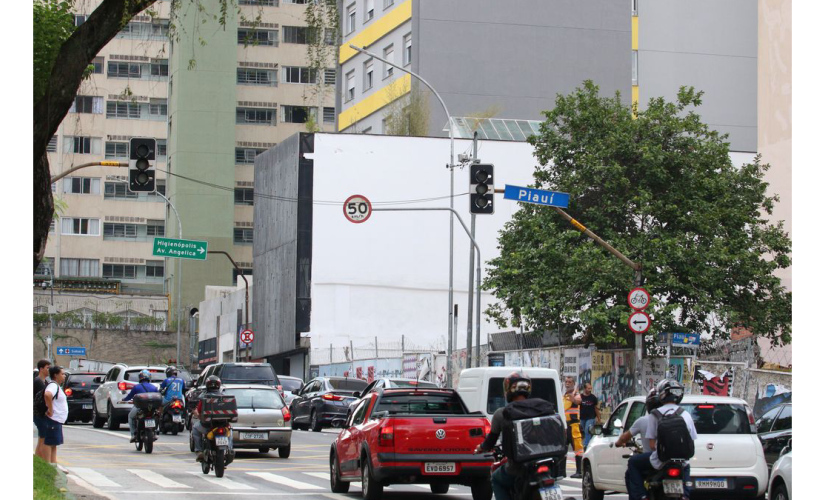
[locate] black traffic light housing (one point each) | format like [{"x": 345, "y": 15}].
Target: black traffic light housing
[
  {"x": 141, "y": 165},
  {"x": 481, "y": 189}
]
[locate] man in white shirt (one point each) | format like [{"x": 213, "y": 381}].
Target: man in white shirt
[
  {"x": 57, "y": 410},
  {"x": 670, "y": 394}
]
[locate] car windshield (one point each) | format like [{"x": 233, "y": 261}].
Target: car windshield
[
  {"x": 256, "y": 398},
  {"x": 259, "y": 372},
  {"x": 715, "y": 418},
  {"x": 156, "y": 376},
  {"x": 411, "y": 383},
  {"x": 350, "y": 384},
  {"x": 424, "y": 404},
  {"x": 291, "y": 385},
  {"x": 83, "y": 381},
  {"x": 544, "y": 388}
]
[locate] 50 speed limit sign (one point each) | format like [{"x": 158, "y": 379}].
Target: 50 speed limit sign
[{"x": 357, "y": 209}]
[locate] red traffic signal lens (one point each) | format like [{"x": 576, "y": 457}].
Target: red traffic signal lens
[{"x": 482, "y": 176}]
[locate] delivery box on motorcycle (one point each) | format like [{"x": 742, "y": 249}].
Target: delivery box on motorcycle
[
  {"x": 148, "y": 401},
  {"x": 533, "y": 431},
  {"x": 218, "y": 407}
]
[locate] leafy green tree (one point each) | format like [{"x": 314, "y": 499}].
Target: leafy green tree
[{"x": 661, "y": 188}]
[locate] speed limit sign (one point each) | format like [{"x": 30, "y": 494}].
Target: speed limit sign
[{"x": 357, "y": 209}]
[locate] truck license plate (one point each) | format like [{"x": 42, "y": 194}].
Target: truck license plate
[
  {"x": 149, "y": 423},
  {"x": 439, "y": 468},
  {"x": 551, "y": 493},
  {"x": 254, "y": 435},
  {"x": 177, "y": 419},
  {"x": 711, "y": 484},
  {"x": 87, "y": 407},
  {"x": 221, "y": 441},
  {"x": 673, "y": 487}
]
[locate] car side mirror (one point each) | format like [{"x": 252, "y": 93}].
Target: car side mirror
[
  {"x": 97, "y": 380},
  {"x": 338, "y": 423},
  {"x": 357, "y": 394},
  {"x": 618, "y": 424},
  {"x": 596, "y": 430}
]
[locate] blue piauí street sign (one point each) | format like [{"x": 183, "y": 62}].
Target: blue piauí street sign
[
  {"x": 70, "y": 351},
  {"x": 686, "y": 339},
  {"x": 537, "y": 196}
]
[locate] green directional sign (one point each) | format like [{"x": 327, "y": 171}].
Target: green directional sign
[{"x": 184, "y": 249}]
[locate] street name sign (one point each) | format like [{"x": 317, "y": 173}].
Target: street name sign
[
  {"x": 537, "y": 196},
  {"x": 357, "y": 209},
  {"x": 663, "y": 339},
  {"x": 184, "y": 249},
  {"x": 70, "y": 351},
  {"x": 639, "y": 322},
  {"x": 685, "y": 339},
  {"x": 247, "y": 336},
  {"x": 638, "y": 298}
]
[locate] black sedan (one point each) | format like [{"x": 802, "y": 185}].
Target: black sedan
[
  {"x": 323, "y": 399},
  {"x": 774, "y": 429},
  {"x": 79, "y": 388}
]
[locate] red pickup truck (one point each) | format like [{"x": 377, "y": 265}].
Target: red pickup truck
[{"x": 411, "y": 435}]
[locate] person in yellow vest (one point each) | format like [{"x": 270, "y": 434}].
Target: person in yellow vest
[{"x": 572, "y": 402}]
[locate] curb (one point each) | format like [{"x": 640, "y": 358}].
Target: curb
[{"x": 61, "y": 481}]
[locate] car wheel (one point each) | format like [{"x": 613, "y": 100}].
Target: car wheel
[
  {"x": 97, "y": 420},
  {"x": 439, "y": 488},
  {"x": 589, "y": 491},
  {"x": 111, "y": 423},
  {"x": 370, "y": 488},
  {"x": 335, "y": 483},
  {"x": 314, "y": 424},
  {"x": 779, "y": 492},
  {"x": 284, "y": 451},
  {"x": 482, "y": 490}
]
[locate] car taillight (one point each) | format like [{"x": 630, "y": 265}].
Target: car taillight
[
  {"x": 674, "y": 472},
  {"x": 68, "y": 393},
  {"x": 487, "y": 427},
  {"x": 332, "y": 397},
  {"x": 707, "y": 407},
  {"x": 125, "y": 386},
  {"x": 751, "y": 420},
  {"x": 287, "y": 416},
  {"x": 387, "y": 435}
]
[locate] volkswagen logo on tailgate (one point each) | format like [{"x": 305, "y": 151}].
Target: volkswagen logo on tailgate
[{"x": 440, "y": 434}]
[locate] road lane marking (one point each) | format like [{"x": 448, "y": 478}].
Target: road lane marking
[
  {"x": 83, "y": 484},
  {"x": 325, "y": 477},
  {"x": 93, "y": 477},
  {"x": 154, "y": 477},
  {"x": 283, "y": 481},
  {"x": 222, "y": 481}
]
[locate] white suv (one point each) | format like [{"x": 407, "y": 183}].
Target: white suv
[
  {"x": 728, "y": 463},
  {"x": 120, "y": 379}
]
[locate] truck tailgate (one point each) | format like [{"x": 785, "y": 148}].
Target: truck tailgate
[{"x": 442, "y": 435}]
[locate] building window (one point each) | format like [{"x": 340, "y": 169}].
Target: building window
[
  {"x": 297, "y": 114},
  {"x": 52, "y": 226},
  {"x": 97, "y": 62},
  {"x": 298, "y": 34},
  {"x": 120, "y": 109},
  {"x": 160, "y": 186},
  {"x": 161, "y": 147},
  {"x": 52, "y": 146},
  {"x": 123, "y": 70},
  {"x": 255, "y": 116},
  {"x": 266, "y": 3},
  {"x": 117, "y": 150},
  {"x": 83, "y": 268},
  {"x": 160, "y": 29},
  {"x": 116, "y": 190},
  {"x": 246, "y": 156},
  {"x": 329, "y": 115},
  {"x": 80, "y": 226},
  {"x": 87, "y": 104},
  {"x": 235, "y": 274},
  {"x": 160, "y": 68},
  {"x": 294, "y": 74},
  {"x": 123, "y": 271},
  {"x": 407, "y": 49},
  {"x": 368, "y": 75},
  {"x": 350, "y": 19},
  {"x": 258, "y": 37},
  {"x": 158, "y": 108},
  {"x": 154, "y": 269},
  {"x": 329, "y": 36},
  {"x": 350, "y": 86},
  {"x": 79, "y": 19},
  {"x": 112, "y": 230},
  {"x": 81, "y": 145},
  {"x": 634, "y": 72},
  {"x": 388, "y": 3},
  {"x": 244, "y": 196},
  {"x": 329, "y": 77},
  {"x": 265, "y": 77},
  {"x": 243, "y": 235},
  {"x": 389, "y": 54},
  {"x": 155, "y": 228},
  {"x": 45, "y": 267},
  {"x": 369, "y": 10},
  {"x": 81, "y": 185}
]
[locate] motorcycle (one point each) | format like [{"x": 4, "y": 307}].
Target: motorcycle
[
  {"x": 667, "y": 482},
  {"x": 172, "y": 419},
  {"x": 537, "y": 482},
  {"x": 148, "y": 405},
  {"x": 217, "y": 452}
]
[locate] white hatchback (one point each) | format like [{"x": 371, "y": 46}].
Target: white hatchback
[{"x": 728, "y": 462}]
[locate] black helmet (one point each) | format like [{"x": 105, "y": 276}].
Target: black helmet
[
  {"x": 652, "y": 401},
  {"x": 213, "y": 383},
  {"x": 669, "y": 391},
  {"x": 517, "y": 384},
  {"x": 169, "y": 371}
]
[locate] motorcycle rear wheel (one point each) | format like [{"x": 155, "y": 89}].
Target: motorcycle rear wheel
[
  {"x": 148, "y": 440},
  {"x": 220, "y": 462}
]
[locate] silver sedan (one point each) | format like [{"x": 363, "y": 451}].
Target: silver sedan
[{"x": 263, "y": 419}]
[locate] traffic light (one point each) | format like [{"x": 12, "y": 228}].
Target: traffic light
[
  {"x": 141, "y": 165},
  {"x": 481, "y": 189}
]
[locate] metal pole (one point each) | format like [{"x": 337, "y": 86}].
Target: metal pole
[
  {"x": 84, "y": 165},
  {"x": 451, "y": 166},
  {"x": 51, "y": 314},
  {"x": 472, "y": 259},
  {"x": 637, "y": 282}
]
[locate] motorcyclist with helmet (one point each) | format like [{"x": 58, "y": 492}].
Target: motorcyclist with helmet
[
  {"x": 172, "y": 387},
  {"x": 517, "y": 387},
  {"x": 213, "y": 388},
  {"x": 669, "y": 394},
  {"x": 144, "y": 385}
]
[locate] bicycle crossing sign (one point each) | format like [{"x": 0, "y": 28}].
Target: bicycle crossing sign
[{"x": 638, "y": 299}]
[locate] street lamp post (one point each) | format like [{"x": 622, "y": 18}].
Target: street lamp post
[{"x": 451, "y": 166}]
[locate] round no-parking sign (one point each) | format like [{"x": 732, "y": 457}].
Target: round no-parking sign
[
  {"x": 247, "y": 336},
  {"x": 357, "y": 209}
]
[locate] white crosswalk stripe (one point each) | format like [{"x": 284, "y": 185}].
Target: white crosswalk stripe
[
  {"x": 154, "y": 477},
  {"x": 222, "y": 481},
  {"x": 273, "y": 478},
  {"x": 93, "y": 477}
]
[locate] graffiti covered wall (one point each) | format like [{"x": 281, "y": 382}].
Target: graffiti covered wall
[{"x": 364, "y": 369}]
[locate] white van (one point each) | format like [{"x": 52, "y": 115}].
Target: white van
[{"x": 482, "y": 389}]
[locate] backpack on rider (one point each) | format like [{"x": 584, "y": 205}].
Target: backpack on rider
[{"x": 673, "y": 440}]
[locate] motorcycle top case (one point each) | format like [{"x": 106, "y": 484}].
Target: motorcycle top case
[
  {"x": 535, "y": 432},
  {"x": 218, "y": 408},
  {"x": 148, "y": 401}
]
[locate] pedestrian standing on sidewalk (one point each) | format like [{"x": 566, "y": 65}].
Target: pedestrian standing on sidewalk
[
  {"x": 57, "y": 410},
  {"x": 40, "y": 420},
  {"x": 590, "y": 412}
]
